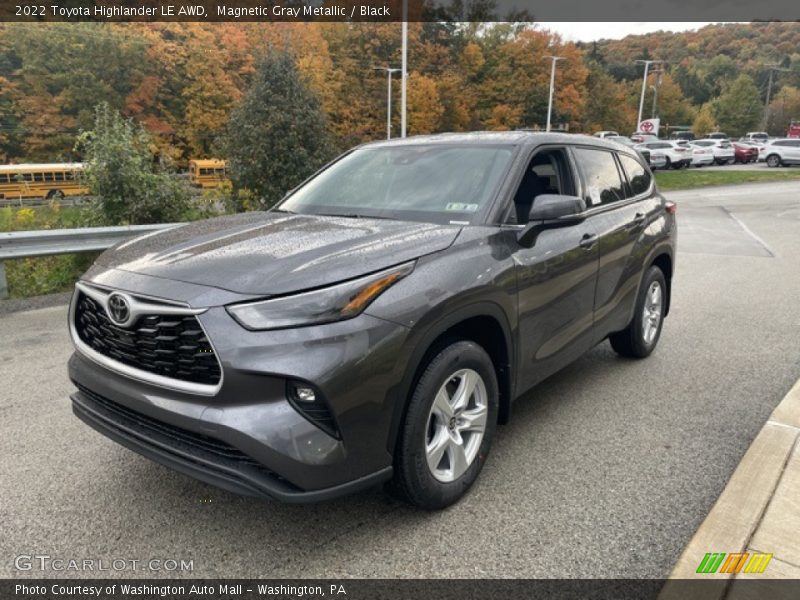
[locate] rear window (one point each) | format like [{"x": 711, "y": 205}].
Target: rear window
[{"x": 601, "y": 176}]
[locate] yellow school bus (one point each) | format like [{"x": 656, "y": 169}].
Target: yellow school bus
[
  {"x": 53, "y": 180},
  {"x": 208, "y": 173}
]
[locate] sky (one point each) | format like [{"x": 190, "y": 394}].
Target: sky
[{"x": 589, "y": 32}]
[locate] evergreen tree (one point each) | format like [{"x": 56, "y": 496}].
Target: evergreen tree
[{"x": 277, "y": 136}]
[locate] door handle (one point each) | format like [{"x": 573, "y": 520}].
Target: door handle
[
  {"x": 639, "y": 218},
  {"x": 588, "y": 241}
]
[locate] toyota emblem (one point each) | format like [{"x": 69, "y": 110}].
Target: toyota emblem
[{"x": 118, "y": 309}]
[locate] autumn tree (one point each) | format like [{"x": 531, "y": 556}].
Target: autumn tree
[
  {"x": 783, "y": 109},
  {"x": 277, "y": 135},
  {"x": 738, "y": 109},
  {"x": 704, "y": 122},
  {"x": 607, "y": 105},
  {"x": 129, "y": 185}
]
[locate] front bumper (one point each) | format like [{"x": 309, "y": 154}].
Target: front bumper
[
  {"x": 269, "y": 447},
  {"x": 201, "y": 457}
]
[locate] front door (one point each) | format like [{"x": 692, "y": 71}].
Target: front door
[{"x": 555, "y": 277}]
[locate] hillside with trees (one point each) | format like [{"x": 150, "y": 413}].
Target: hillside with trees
[{"x": 185, "y": 83}]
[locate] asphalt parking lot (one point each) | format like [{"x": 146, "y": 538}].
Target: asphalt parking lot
[{"x": 606, "y": 469}]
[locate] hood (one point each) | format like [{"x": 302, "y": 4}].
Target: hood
[{"x": 276, "y": 253}]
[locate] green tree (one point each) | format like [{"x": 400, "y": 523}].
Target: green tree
[
  {"x": 738, "y": 109},
  {"x": 277, "y": 136},
  {"x": 129, "y": 184}
]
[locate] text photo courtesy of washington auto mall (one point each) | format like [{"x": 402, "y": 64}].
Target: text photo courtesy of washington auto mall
[{"x": 415, "y": 299}]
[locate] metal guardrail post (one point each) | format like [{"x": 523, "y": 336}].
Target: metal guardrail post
[{"x": 3, "y": 282}]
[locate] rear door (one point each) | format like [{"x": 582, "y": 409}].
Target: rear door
[
  {"x": 619, "y": 191},
  {"x": 793, "y": 151}
]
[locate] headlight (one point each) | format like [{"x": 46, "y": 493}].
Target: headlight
[{"x": 335, "y": 303}]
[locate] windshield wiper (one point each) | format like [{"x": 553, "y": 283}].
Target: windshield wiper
[{"x": 351, "y": 216}]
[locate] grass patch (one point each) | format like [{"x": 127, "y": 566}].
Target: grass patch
[
  {"x": 46, "y": 274},
  {"x": 685, "y": 179}
]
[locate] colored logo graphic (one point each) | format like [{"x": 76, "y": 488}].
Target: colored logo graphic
[{"x": 737, "y": 562}]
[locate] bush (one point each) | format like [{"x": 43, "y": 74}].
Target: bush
[{"x": 130, "y": 184}]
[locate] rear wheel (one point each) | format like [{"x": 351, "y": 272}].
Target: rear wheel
[
  {"x": 639, "y": 338},
  {"x": 773, "y": 160},
  {"x": 668, "y": 164},
  {"x": 448, "y": 427},
  {"x": 55, "y": 195}
]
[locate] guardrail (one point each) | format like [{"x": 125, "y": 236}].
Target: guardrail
[{"x": 28, "y": 244}]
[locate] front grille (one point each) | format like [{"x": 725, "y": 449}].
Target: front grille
[{"x": 172, "y": 346}]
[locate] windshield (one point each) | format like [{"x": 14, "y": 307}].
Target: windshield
[{"x": 435, "y": 182}]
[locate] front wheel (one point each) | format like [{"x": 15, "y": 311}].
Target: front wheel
[
  {"x": 773, "y": 160},
  {"x": 448, "y": 428},
  {"x": 639, "y": 338}
]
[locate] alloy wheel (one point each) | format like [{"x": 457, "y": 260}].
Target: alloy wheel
[
  {"x": 651, "y": 313},
  {"x": 456, "y": 425}
]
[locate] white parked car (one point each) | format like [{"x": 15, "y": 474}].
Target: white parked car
[
  {"x": 678, "y": 154},
  {"x": 701, "y": 155},
  {"x": 658, "y": 160},
  {"x": 782, "y": 152},
  {"x": 605, "y": 134},
  {"x": 755, "y": 136},
  {"x": 724, "y": 154}
]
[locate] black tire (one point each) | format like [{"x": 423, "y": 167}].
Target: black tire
[
  {"x": 668, "y": 164},
  {"x": 55, "y": 195},
  {"x": 773, "y": 160},
  {"x": 631, "y": 341},
  {"x": 414, "y": 480}
]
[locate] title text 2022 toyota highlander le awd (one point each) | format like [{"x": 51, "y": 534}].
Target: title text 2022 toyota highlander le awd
[{"x": 378, "y": 323}]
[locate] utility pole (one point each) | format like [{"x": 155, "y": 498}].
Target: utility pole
[
  {"x": 555, "y": 59},
  {"x": 655, "y": 93},
  {"x": 404, "y": 69},
  {"x": 389, "y": 72},
  {"x": 646, "y": 64},
  {"x": 772, "y": 68}
]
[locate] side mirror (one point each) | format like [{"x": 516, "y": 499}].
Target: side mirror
[{"x": 550, "y": 211}]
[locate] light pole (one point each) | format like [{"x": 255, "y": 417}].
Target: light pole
[
  {"x": 772, "y": 68},
  {"x": 646, "y": 64},
  {"x": 555, "y": 59},
  {"x": 389, "y": 72},
  {"x": 404, "y": 69}
]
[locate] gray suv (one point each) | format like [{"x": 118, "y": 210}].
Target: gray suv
[{"x": 380, "y": 321}]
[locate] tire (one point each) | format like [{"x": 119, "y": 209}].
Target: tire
[
  {"x": 635, "y": 341},
  {"x": 55, "y": 195},
  {"x": 773, "y": 160},
  {"x": 421, "y": 478},
  {"x": 668, "y": 164}
]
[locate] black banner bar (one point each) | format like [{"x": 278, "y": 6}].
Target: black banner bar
[
  {"x": 392, "y": 10},
  {"x": 398, "y": 589}
]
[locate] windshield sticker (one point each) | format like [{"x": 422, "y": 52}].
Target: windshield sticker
[{"x": 461, "y": 207}]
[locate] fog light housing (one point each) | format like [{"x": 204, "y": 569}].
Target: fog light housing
[
  {"x": 309, "y": 402},
  {"x": 305, "y": 394}
]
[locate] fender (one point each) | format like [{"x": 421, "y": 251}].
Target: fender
[
  {"x": 422, "y": 338},
  {"x": 664, "y": 247}
]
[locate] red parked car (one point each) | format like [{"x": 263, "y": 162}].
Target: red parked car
[{"x": 744, "y": 153}]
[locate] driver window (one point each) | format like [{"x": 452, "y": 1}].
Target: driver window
[{"x": 548, "y": 173}]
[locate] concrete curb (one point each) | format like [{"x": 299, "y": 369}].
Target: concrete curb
[{"x": 740, "y": 509}]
